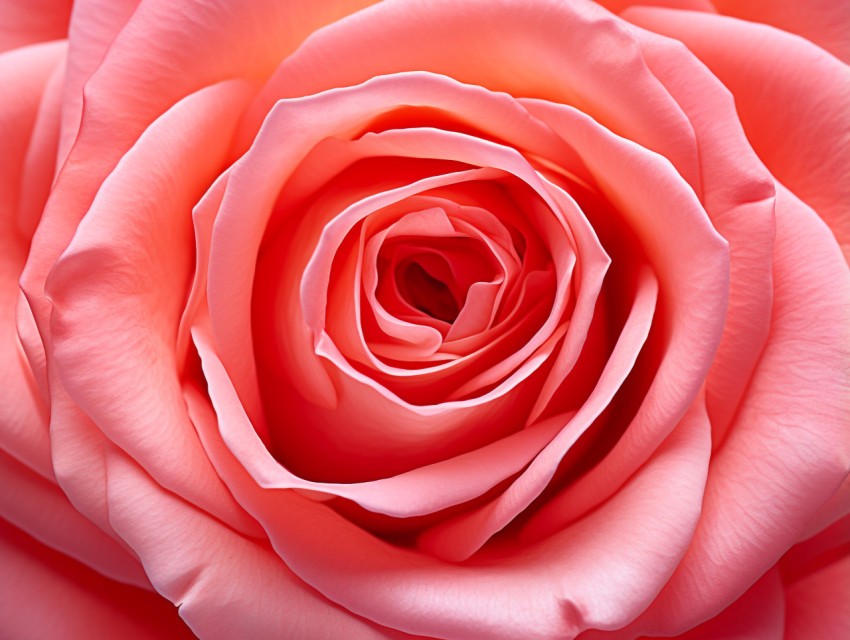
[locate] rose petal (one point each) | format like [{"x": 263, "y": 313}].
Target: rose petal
[
  {"x": 458, "y": 538},
  {"x": 787, "y": 453},
  {"x": 759, "y": 614},
  {"x": 304, "y": 123},
  {"x": 426, "y": 489},
  {"x": 835, "y": 509},
  {"x": 28, "y": 74},
  {"x": 137, "y": 265},
  {"x": 38, "y": 507},
  {"x": 234, "y": 237},
  {"x": 817, "y": 576},
  {"x": 618, "y": 6},
  {"x": 817, "y": 604},
  {"x": 25, "y": 73},
  {"x": 654, "y": 214},
  {"x": 226, "y": 585},
  {"x": 94, "y": 25},
  {"x": 549, "y": 591},
  {"x": 812, "y": 87},
  {"x": 27, "y": 23},
  {"x": 39, "y": 166},
  {"x": 191, "y": 39},
  {"x": 549, "y": 36},
  {"x": 824, "y": 22},
  {"x": 738, "y": 195},
  {"x": 48, "y": 595}
]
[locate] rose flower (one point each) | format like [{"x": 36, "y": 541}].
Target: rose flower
[{"x": 451, "y": 319}]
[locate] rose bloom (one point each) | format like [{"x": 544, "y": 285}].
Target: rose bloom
[{"x": 456, "y": 319}]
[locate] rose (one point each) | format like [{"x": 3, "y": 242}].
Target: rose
[{"x": 696, "y": 303}]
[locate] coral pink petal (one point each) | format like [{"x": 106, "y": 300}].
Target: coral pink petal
[
  {"x": 824, "y": 22},
  {"x": 817, "y": 593},
  {"x": 138, "y": 265},
  {"x": 786, "y": 453},
  {"x": 39, "y": 167},
  {"x": 304, "y": 123},
  {"x": 38, "y": 507},
  {"x": 816, "y": 605},
  {"x": 112, "y": 46},
  {"x": 459, "y": 538},
  {"x": 203, "y": 215},
  {"x": 94, "y": 25},
  {"x": 27, "y": 73},
  {"x": 196, "y": 562},
  {"x": 48, "y": 595},
  {"x": 759, "y": 614},
  {"x": 188, "y": 55},
  {"x": 812, "y": 87},
  {"x": 229, "y": 292},
  {"x": 556, "y": 217},
  {"x": 618, "y": 6},
  {"x": 477, "y": 311},
  {"x": 738, "y": 195},
  {"x": 837, "y": 508},
  {"x": 550, "y": 591},
  {"x": 549, "y": 36},
  {"x": 26, "y": 23},
  {"x": 424, "y": 490},
  {"x": 671, "y": 240}
]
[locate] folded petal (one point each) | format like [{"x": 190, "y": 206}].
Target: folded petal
[
  {"x": 787, "y": 453},
  {"x": 551, "y": 590},
  {"x": 138, "y": 266},
  {"x": 226, "y": 585},
  {"x": 27, "y": 74},
  {"x": 806, "y": 143}
]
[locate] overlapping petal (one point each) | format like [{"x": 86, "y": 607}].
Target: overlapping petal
[{"x": 417, "y": 328}]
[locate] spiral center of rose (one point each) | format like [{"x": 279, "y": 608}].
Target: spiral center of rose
[
  {"x": 429, "y": 294},
  {"x": 427, "y": 286},
  {"x": 434, "y": 276}
]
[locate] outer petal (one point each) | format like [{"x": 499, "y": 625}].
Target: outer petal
[
  {"x": 26, "y": 23},
  {"x": 817, "y": 605},
  {"x": 547, "y": 591},
  {"x": 227, "y": 586},
  {"x": 94, "y": 24},
  {"x": 806, "y": 143},
  {"x": 38, "y": 507},
  {"x": 759, "y": 614},
  {"x": 738, "y": 195},
  {"x": 817, "y": 592},
  {"x": 47, "y": 595},
  {"x": 581, "y": 55},
  {"x": 26, "y": 74},
  {"x": 618, "y": 6},
  {"x": 177, "y": 48},
  {"x": 787, "y": 453},
  {"x": 138, "y": 266},
  {"x": 29, "y": 497},
  {"x": 824, "y": 22}
]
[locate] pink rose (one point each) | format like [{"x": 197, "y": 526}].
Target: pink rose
[{"x": 450, "y": 319}]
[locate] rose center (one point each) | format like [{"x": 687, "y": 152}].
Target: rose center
[
  {"x": 424, "y": 280},
  {"x": 427, "y": 293}
]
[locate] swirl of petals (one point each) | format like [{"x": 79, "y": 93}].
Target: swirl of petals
[
  {"x": 635, "y": 92},
  {"x": 238, "y": 426}
]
